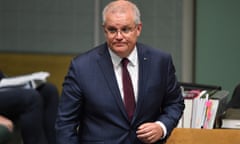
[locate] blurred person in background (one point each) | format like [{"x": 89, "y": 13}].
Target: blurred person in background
[{"x": 34, "y": 110}]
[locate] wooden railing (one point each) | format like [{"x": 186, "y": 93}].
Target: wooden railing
[{"x": 204, "y": 136}]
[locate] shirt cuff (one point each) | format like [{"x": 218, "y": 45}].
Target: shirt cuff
[{"x": 163, "y": 127}]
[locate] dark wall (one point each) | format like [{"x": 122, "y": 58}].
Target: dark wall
[
  {"x": 218, "y": 43},
  {"x": 74, "y": 26}
]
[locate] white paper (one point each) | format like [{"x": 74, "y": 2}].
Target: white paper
[{"x": 39, "y": 77}]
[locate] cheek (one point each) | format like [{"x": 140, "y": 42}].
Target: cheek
[
  {"x": 108, "y": 39},
  {"x": 132, "y": 39}
]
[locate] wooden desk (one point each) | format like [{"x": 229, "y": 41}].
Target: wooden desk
[{"x": 204, "y": 136}]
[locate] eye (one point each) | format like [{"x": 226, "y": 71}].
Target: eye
[
  {"x": 126, "y": 30},
  {"x": 112, "y": 30}
]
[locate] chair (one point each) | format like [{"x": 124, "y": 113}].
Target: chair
[{"x": 235, "y": 100}]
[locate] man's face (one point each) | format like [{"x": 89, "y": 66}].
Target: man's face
[{"x": 121, "y": 32}]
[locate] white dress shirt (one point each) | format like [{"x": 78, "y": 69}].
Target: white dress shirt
[{"x": 133, "y": 71}]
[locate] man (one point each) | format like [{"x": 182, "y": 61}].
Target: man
[
  {"x": 95, "y": 105},
  {"x": 6, "y": 128},
  {"x": 33, "y": 110}
]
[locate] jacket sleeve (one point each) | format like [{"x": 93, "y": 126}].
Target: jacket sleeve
[
  {"x": 173, "y": 105},
  {"x": 67, "y": 121}
]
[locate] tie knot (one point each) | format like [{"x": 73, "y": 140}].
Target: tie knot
[{"x": 125, "y": 62}]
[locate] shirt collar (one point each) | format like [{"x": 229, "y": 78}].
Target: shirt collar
[{"x": 116, "y": 60}]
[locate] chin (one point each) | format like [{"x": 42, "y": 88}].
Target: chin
[
  {"x": 120, "y": 52},
  {"x": 120, "y": 49}
]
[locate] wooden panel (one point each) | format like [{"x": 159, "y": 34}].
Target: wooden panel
[
  {"x": 204, "y": 136},
  {"x": 16, "y": 64}
]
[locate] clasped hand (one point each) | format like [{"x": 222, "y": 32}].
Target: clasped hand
[{"x": 149, "y": 132}]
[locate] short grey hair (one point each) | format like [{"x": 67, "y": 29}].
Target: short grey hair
[{"x": 113, "y": 7}]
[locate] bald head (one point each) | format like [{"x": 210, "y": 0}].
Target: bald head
[{"x": 121, "y": 7}]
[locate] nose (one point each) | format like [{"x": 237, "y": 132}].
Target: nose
[{"x": 119, "y": 35}]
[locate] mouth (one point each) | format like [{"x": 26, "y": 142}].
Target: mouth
[{"x": 119, "y": 44}]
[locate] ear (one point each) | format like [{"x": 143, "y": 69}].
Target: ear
[{"x": 139, "y": 29}]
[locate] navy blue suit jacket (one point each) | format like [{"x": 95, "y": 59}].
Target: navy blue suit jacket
[{"x": 91, "y": 108}]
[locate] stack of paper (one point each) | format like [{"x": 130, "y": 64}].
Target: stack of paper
[
  {"x": 231, "y": 118},
  {"x": 202, "y": 108},
  {"x": 32, "y": 80}
]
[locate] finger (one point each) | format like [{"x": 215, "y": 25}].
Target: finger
[
  {"x": 144, "y": 135},
  {"x": 148, "y": 140}
]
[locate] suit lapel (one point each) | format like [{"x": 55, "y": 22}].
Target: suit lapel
[
  {"x": 106, "y": 68},
  {"x": 144, "y": 67}
]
